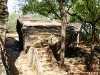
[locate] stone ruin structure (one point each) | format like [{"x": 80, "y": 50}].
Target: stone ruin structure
[
  {"x": 40, "y": 39},
  {"x": 27, "y": 27}
]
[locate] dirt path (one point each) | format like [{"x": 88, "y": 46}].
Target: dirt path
[
  {"x": 19, "y": 63},
  {"x": 23, "y": 66}
]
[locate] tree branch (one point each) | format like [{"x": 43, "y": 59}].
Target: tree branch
[
  {"x": 53, "y": 9},
  {"x": 79, "y": 17},
  {"x": 88, "y": 7},
  {"x": 69, "y": 8},
  {"x": 73, "y": 2},
  {"x": 97, "y": 19}
]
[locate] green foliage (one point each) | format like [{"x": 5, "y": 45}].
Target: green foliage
[
  {"x": 72, "y": 19},
  {"x": 11, "y": 22},
  {"x": 87, "y": 9},
  {"x": 40, "y": 7},
  {"x": 98, "y": 29}
]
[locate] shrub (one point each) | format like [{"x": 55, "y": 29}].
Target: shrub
[{"x": 11, "y": 22}]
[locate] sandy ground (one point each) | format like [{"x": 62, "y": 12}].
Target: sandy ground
[
  {"x": 23, "y": 66},
  {"x": 20, "y": 65}
]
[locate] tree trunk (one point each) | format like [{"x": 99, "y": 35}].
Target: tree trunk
[
  {"x": 63, "y": 31},
  {"x": 90, "y": 61},
  {"x": 93, "y": 32}
]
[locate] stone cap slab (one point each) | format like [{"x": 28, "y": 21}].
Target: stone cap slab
[{"x": 32, "y": 21}]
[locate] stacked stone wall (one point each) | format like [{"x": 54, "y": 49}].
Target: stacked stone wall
[{"x": 3, "y": 22}]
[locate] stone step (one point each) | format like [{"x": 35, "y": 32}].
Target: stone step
[
  {"x": 65, "y": 73},
  {"x": 45, "y": 57},
  {"x": 42, "y": 52},
  {"x": 49, "y": 73},
  {"x": 41, "y": 49},
  {"x": 45, "y": 60},
  {"x": 47, "y": 69},
  {"x": 46, "y": 64}
]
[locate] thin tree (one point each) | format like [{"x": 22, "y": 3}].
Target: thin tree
[{"x": 63, "y": 30}]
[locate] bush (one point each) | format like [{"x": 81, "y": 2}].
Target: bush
[{"x": 11, "y": 22}]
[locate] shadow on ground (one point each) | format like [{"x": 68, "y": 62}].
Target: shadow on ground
[
  {"x": 13, "y": 52},
  {"x": 80, "y": 56}
]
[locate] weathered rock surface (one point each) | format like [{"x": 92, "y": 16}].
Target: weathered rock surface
[
  {"x": 2, "y": 68},
  {"x": 3, "y": 23}
]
